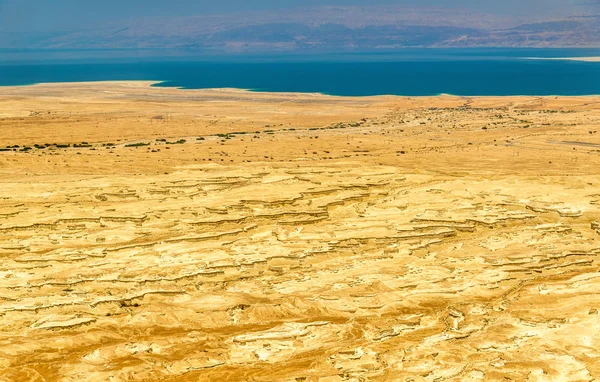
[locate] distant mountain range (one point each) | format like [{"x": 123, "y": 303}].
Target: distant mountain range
[{"x": 325, "y": 28}]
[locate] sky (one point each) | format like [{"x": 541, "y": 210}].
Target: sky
[{"x": 59, "y": 15}]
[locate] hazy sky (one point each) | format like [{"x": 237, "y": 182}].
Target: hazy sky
[{"x": 50, "y": 15}]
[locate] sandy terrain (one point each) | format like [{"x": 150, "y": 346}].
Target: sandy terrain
[
  {"x": 584, "y": 59},
  {"x": 286, "y": 237}
]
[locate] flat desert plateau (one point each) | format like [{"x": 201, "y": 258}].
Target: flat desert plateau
[{"x": 159, "y": 234}]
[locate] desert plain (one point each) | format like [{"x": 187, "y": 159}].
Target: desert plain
[{"x": 159, "y": 234}]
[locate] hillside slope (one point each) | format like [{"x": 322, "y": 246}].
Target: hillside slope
[{"x": 326, "y": 28}]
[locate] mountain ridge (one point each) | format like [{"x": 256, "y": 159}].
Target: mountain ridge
[{"x": 326, "y": 28}]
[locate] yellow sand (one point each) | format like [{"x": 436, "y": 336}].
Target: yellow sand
[{"x": 379, "y": 238}]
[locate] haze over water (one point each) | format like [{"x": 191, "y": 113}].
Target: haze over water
[{"x": 413, "y": 72}]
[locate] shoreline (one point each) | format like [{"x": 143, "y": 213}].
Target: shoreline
[
  {"x": 152, "y": 84},
  {"x": 577, "y": 59}
]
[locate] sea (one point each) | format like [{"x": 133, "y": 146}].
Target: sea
[{"x": 406, "y": 72}]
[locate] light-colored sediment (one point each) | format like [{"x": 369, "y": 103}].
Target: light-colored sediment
[
  {"x": 587, "y": 59},
  {"x": 382, "y": 238},
  {"x": 583, "y": 59}
]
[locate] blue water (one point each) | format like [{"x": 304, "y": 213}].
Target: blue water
[{"x": 412, "y": 72}]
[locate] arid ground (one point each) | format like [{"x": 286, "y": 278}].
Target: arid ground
[{"x": 155, "y": 234}]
